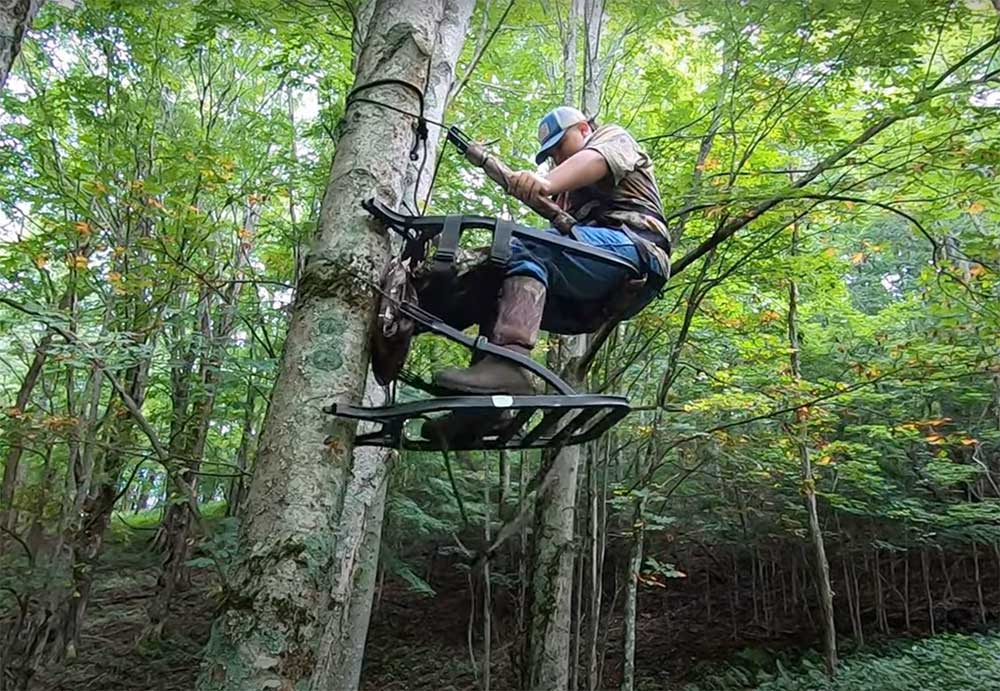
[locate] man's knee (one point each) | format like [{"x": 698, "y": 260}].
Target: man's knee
[{"x": 527, "y": 259}]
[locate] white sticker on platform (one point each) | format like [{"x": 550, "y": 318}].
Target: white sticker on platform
[{"x": 502, "y": 401}]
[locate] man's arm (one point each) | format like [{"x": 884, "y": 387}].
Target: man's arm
[{"x": 583, "y": 168}]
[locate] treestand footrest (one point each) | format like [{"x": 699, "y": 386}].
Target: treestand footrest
[{"x": 491, "y": 422}]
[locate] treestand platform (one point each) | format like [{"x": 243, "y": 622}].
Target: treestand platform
[{"x": 493, "y": 422}]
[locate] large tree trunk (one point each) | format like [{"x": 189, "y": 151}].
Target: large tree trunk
[
  {"x": 550, "y": 627},
  {"x": 355, "y": 562},
  {"x": 550, "y": 615},
  {"x": 15, "y": 20},
  {"x": 274, "y": 631}
]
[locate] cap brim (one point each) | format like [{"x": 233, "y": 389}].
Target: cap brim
[{"x": 547, "y": 147}]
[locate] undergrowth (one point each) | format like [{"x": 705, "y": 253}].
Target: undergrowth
[{"x": 948, "y": 662}]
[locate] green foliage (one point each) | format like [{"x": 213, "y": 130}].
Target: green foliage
[{"x": 951, "y": 662}]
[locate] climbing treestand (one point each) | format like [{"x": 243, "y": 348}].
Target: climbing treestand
[{"x": 561, "y": 418}]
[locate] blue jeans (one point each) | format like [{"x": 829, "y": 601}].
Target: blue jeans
[{"x": 577, "y": 284}]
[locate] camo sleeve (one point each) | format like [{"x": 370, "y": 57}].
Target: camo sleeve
[{"x": 619, "y": 149}]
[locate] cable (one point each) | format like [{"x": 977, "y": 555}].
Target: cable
[
  {"x": 416, "y": 183},
  {"x": 430, "y": 121},
  {"x": 437, "y": 167},
  {"x": 420, "y": 129}
]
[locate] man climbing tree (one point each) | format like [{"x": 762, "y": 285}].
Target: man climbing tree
[{"x": 605, "y": 181}]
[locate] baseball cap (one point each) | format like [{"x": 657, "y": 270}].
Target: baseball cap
[{"x": 553, "y": 126}]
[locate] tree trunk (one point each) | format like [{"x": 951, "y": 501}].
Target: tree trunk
[
  {"x": 177, "y": 520},
  {"x": 821, "y": 565},
  {"x": 569, "y": 49},
  {"x": 631, "y": 596},
  {"x": 906, "y": 589},
  {"x": 579, "y": 573},
  {"x": 550, "y": 628},
  {"x": 594, "y": 68},
  {"x": 634, "y": 567},
  {"x": 550, "y": 615},
  {"x": 487, "y": 583},
  {"x": 98, "y": 487},
  {"x": 12, "y": 470},
  {"x": 597, "y": 513},
  {"x": 926, "y": 568},
  {"x": 552, "y": 578},
  {"x": 857, "y": 602},
  {"x": 354, "y": 567},
  {"x": 282, "y": 625},
  {"x": 237, "y": 485},
  {"x": 15, "y": 20},
  {"x": 979, "y": 583},
  {"x": 504, "y": 493},
  {"x": 88, "y": 539},
  {"x": 355, "y": 564}
]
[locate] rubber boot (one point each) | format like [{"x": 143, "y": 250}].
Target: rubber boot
[{"x": 519, "y": 315}]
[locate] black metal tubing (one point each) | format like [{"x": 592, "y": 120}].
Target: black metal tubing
[
  {"x": 429, "y": 227},
  {"x": 432, "y": 323},
  {"x": 459, "y": 139},
  {"x": 577, "y": 430}
]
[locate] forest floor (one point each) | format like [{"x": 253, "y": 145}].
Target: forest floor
[{"x": 415, "y": 641}]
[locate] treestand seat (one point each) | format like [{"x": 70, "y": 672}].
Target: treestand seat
[{"x": 562, "y": 418}]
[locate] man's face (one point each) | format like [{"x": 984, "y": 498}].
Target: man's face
[{"x": 571, "y": 142}]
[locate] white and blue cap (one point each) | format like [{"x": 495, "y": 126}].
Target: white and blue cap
[{"x": 553, "y": 126}]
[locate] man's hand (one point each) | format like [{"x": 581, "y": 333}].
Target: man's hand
[{"x": 528, "y": 186}]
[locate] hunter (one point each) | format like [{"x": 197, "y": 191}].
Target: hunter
[{"x": 603, "y": 179}]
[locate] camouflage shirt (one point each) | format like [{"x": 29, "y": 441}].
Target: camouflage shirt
[{"x": 627, "y": 196}]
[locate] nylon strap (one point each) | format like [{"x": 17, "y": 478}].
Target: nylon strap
[
  {"x": 448, "y": 242},
  {"x": 500, "y": 249}
]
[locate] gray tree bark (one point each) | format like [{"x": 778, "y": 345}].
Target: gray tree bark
[
  {"x": 632, "y": 595},
  {"x": 15, "y": 20},
  {"x": 359, "y": 535},
  {"x": 552, "y": 577},
  {"x": 355, "y": 564},
  {"x": 593, "y": 15},
  {"x": 287, "y": 615}
]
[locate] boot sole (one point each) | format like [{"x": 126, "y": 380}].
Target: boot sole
[{"x": 486, "y": 391}]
